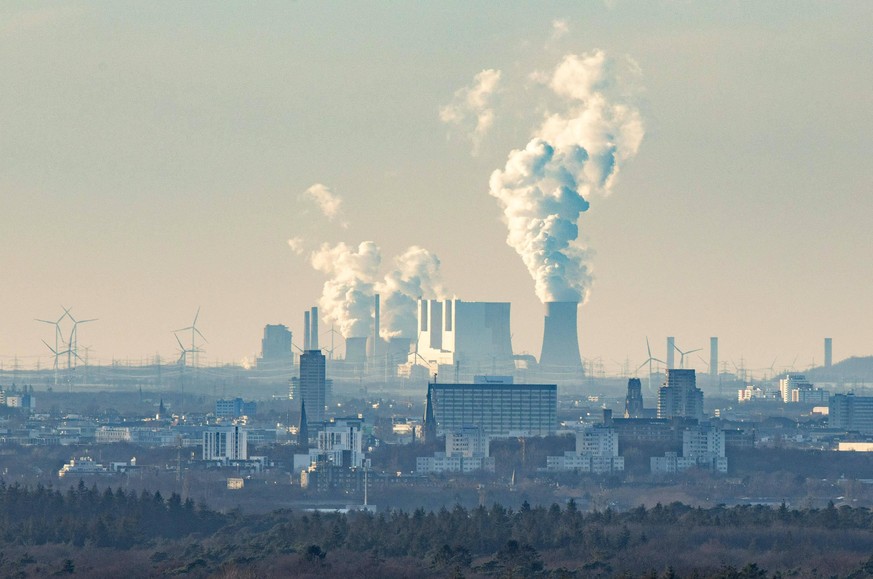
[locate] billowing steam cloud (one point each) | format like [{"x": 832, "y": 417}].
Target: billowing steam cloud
[
  {"x": 472, "y": 106},
  {"x": 543, "y": 187},
  {"x": 417, "y": 275},
  {"x": 328, "y": 202},
  {"x": 347, "y": 297}
]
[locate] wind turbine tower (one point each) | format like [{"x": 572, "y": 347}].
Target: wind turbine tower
[{"x": 713, "y": 357}]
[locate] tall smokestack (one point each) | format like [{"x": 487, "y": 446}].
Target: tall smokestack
[
  {"x": 313, "y": 336},
  {"x": 713, "y": 357},
  {"x": 560, "y": 337},
  {"x": 829, "y": 352},
  {"x": 376, "y": 315},
  {"x": 671, "y": 351},
  {"x": 307, "y": 332}
]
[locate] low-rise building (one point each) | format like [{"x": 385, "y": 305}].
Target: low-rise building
[
  {"x": 596, "y": 452},
  {"x": 467, "y": 451}
]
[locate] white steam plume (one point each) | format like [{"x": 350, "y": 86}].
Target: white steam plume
[
  {"x": 328, "y": 202},
  {"x": 416, "y": 275},
  {"x": 473, "y": 103},
  {"x": 347, "y": 297},
  {"x": 543, "y": 187}
]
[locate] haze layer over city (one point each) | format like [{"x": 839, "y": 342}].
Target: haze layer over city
[{"x": 165, "y": 158}]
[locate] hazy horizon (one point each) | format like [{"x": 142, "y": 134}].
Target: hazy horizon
[{"x": 158, "y": 158}]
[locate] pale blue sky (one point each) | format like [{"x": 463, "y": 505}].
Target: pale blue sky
[{"x": 152, "y": 159}]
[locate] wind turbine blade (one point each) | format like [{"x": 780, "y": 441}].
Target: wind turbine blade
[
  {"x": 692, "y": 351},
  {"x": 201, "y": 335},
  {"x": 641, "y": 366},
  {"x": 180, "y": 342},
  {"x": 197, "y": 315},
  {"x": 49, "y": 347},
  {"x": 648, "y": 348}
]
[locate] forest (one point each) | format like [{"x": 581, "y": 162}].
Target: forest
[{"x": 88, "y": 532}]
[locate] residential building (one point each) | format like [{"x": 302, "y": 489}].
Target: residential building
[
  {"x": 467, "y": 450},
  {"x": 225, "y": 443},
  {"x": 235, "y": 408},
  {"x": 596, "y": 452},
  {"x": 791, "y": 382},
  {"x": 680, "y": 397},
  {"x": 703, "y": 447}
]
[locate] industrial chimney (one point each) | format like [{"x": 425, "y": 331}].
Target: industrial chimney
[
  {"x": 828, "y": 352},
  {"x": 713, "y": 357},
  {"x": 307, "y": 332},
  {"x": 313, "y": 325},
  {"x": 560, "y": 338},
  {"x": 671, "y": 352}
]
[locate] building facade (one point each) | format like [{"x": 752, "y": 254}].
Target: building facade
[
  {"x": 680, "y": 397},
  {"x": 500, "y": 410},
  {"x": 596, "y": 452},
  {"x": 850, "y": 412},
  {"x": 312, "y": 385},
  {"x": 225, "y": 444}
]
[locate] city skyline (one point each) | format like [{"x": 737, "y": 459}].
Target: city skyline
[{"x": 161, "y": 159}]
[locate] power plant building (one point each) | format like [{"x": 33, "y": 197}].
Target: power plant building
[
  {"x": 500, "y": 410},
  {"x": 473, "y": 336},
  {"x": 275, "y": 348}
]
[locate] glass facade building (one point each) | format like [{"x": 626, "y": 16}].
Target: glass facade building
[{"x": 498, "y": 409}]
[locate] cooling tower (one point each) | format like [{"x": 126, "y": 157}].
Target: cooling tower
[
  {"x": 560, "y": 339},
  {"x": 356, "y": 350}
]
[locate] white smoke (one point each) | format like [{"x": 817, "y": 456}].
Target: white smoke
[
  {"x": 347, "y": 296},
  {"x": 543, "y": 187},
  {"x": 297, "y": 245},
  {"x": 328, "y": 202},
  {"x": 416, "y": 275},
  {"x": 472, "y": 106}
]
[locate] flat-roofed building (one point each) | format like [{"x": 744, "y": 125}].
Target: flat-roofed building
[
  {"x": 499, "y": 410},
  {"x": 850, "y": 412}
]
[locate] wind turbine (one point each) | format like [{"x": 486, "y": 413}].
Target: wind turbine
[
  {"x": 59, "y": 339},
  {"x": 683, "y": 354},
  {"x": 649, "y": 362},
  {"x": 73, "y": 343},
  {"x": 194, "y": 333}
]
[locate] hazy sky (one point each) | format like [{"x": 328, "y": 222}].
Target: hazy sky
[{"x": 154, "y": 158}]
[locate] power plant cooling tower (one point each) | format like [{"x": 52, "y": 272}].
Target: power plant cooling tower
[
  {"x": 356, "y": 350},
  {"x": 560, "y": 339}
]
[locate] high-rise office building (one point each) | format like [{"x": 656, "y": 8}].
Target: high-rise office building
[
  {"x": 312, "y": 385},
  {"x": 680, "y": 397},
  {"x": 498, "y": 409}
]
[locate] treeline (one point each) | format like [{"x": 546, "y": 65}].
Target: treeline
[
  {"x": 672, "y": 540},
  {"x": 83, "y": 515}
]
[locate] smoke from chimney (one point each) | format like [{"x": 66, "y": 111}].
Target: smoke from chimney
[
  {"x": 543, "y": 187},
  {"x": 348, "y": 292},
  {"x": 416, "y": 275}
]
